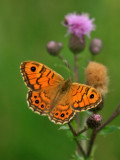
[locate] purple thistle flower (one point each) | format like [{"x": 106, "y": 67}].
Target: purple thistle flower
[{"x": 79, "y": 24}]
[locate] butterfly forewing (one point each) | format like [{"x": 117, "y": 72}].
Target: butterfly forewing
[
  {"x": 38, "y": 76},
  {"x": 84, "y": 97}
]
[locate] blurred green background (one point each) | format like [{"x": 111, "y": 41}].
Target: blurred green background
[{"x": 25, "y": 28}]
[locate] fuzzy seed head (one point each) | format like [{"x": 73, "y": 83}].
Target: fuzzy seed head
[{"x": 96, "y": 76}]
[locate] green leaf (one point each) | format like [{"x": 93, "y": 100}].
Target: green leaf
[
  {"x": 77, "y": 157},
  {"x": 70, "y": 135},
  {"x": 82, "y": 137},
  {"x": 93, "y": 150},
  {"x": 108, "y": 129},
  {"x": 69, "y": 132},
  {"x": 89, "y": 113},
  {"x": 74, "y": 124},
  {"x": 89, "y": 158},
  {"x": 64, "y": 127}
]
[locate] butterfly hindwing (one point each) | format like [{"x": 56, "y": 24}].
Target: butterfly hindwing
[
  {"x": 61, "y": 114},
  {"x": 62, "y": 111},
  {"x": 39, "y": 102}
]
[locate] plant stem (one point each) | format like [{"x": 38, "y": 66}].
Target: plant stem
[
  {"x": 65, "y": 62},
  {"x": 82, "y": 131},
  {"x": 84, "y": 143},
  {"x": 115, "y": 113},
  {"x": 92, "y": 140},
  {"x": 76, "y": 68},
  {"x": 72, "y": 129},
  {"x": 76, "y": 72},
  {"x": 113, "y": 116},
  {"x": 76, "y": 140}
]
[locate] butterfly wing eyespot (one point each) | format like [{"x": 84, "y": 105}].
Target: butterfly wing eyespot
[
  {"x": 84, "y": 97},
  {"x": 38, "y": 76},
  {"x": 38, "y": 102},
  {"x": 61, "y": 114}
]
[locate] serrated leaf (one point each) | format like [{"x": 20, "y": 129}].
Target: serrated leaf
[
  {"x": 64, "y": 127},
  {"x": 108, "y": 129}
]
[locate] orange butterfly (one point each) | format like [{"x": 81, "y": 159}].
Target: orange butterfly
[{"x": 49, "y": 94}]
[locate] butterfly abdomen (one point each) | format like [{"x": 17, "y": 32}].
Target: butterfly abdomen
[{"x": 62, "y": 92}]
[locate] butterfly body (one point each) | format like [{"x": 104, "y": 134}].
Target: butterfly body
[{"x": 49, "y": 94}]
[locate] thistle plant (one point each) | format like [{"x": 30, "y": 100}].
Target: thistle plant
[{"x": 79, "y": 27}]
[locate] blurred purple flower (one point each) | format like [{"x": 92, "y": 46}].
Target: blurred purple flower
[{"x": 79, "y": 24}]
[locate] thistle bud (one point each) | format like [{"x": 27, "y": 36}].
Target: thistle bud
[
  {"x": 76, "y": 44},
  {"x": 54, "y": 48},
  {"x": 95, "y": 46},
  {"x": 94, "y": 121}
]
